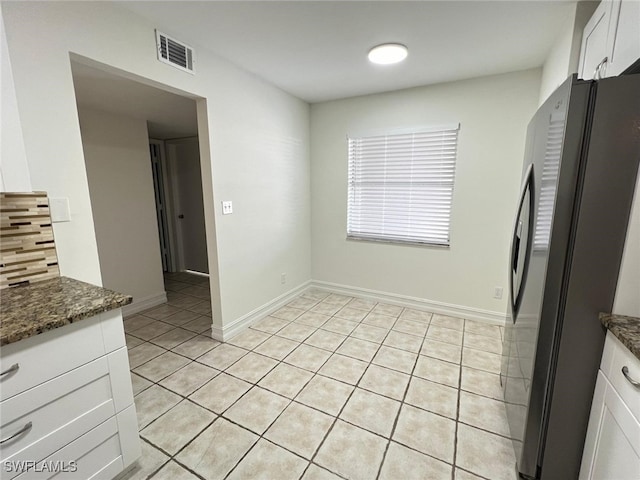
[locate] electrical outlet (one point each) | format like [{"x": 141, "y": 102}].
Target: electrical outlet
[
  {"x": 497, "y": 293},
  {"x": 227, "y": 207},
  {"x": 283, "y": 278}
]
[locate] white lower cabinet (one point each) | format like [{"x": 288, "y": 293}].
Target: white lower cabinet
[
  {"x": 85, "y": 457},
  {"x": 612, "y": 446},
  {"x": 79, "y": 424}
]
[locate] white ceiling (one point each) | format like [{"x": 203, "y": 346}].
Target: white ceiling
[
  {"x": 316, "y": 50},
  {"x": 168, "y": 115}
]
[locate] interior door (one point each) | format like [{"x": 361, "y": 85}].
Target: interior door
[
  {"x": 184, "y": 158},
  {"x": 161, "y": 204}
]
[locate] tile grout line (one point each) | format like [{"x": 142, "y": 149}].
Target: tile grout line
[
  {"x": 455, "y": 436},
  {"x": 330, "y": 429},
  {"x": 248, "y": 351},
  {"x": 220, "y": 415},
  {"x": 261, "y": 436},
  {"x": 291, "y": 401},
  {"x": 402, "y": 402},
  {"x": 158, "y": 382},
  {"x": 281, "y": 361},
  {"x": 153, "y": 473},
  {"x": 183, "y": 398},
  {"x": 337, "y": 417},
  {"x": 306, "y": 405}
]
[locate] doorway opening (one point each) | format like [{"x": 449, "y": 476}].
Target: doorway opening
[{"x": 143, "y": 167}]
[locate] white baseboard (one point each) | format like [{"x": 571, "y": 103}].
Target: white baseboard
[
  {"x": 200, "y": 274},
  {"x": 140, "y": 304},
  {"x": 487, "y": 316},
  {"x": 235, "y": 327}
]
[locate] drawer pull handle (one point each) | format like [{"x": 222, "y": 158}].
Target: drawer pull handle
[
  {"x": 24, "y": 429},
  {"x": 12, "y": 368},
  {"x": 597, "y": 73},
  {"x": 625, "y": 372}
]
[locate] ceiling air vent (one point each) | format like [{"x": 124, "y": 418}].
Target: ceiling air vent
[{"x": 174, "y": 53}]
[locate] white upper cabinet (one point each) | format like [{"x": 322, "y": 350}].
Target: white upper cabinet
[
  {"x": 626, "y": 41},
  {"x": 611, "y": 39},
  {"x": 594, "y": 41}
]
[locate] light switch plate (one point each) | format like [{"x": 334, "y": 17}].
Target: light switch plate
[
  {"x": 59, "y": 210},
  {"x": 227, "y": 207}
]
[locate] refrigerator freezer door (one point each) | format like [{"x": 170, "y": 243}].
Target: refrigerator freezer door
[
  {"x": 521, "y": 242},
  {"x": 588, "y": 287},
  {"x": 584, "y": 143},
  {"x": 554, "y": 137}
]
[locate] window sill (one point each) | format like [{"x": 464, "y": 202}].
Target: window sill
[{"x": 398, "y": 242}]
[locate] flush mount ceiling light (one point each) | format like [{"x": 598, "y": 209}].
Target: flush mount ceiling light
[{"x": 388, "y": 53}]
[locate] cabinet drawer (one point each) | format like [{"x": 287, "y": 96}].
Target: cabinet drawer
[
  {"x": 618, "y": 356},
  {"x": 45, "y": 356},
  {"x": 60, "y": 411},
  {"x": 95, "y": 455},
  {"x": 621, "y": 357},
  {"x": 612, "y": 445}
]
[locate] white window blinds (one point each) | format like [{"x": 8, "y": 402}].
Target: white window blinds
[
  {"x": 548, "y": 185},
  {"x": 401, "y": 186}
]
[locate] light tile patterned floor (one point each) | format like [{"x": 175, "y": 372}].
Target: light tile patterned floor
[{"x": 327, "y": 387}]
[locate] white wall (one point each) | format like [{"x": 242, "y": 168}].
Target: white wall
[
  {"x": 557, "y": 66},
  {"x": 627, "y": 300},
  {"x": 493, "y": 113},
  {"x": 260, "y": 154},
  {"x": 116, "y": 153},
  {"x": 253, "y": 139},
  {"x": 14, "y": 172}
]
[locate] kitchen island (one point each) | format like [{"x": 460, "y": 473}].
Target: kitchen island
[
  {"x": 612, "y": 446},
  {"x": 66, "y": 402},
  {"x": 626, "y": 329},
  {"x": 36, "y": 308}
]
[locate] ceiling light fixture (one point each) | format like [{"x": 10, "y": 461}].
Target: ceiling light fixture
[{"x": 388, "y": 53}]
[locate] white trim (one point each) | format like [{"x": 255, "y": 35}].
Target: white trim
[
  {"x": 141, "y": 304},
  {"x": 233, "y": 328},
  {"x": 486, "y": 316},
  {"x": 377, "y": 132},
  {"x": 193, "y": 272}
]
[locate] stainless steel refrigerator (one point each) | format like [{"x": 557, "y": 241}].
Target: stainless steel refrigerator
[{"x": 580, "y": 169}]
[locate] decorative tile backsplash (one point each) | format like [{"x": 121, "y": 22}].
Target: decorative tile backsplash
[{"x": 27, "y": 247}]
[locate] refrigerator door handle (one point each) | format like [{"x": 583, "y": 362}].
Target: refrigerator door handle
[{"x": 516, "y": 247}]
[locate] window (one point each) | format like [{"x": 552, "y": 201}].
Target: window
[
  {"x": 548, "y": 184},
  {"x": 401, "y": 186}
]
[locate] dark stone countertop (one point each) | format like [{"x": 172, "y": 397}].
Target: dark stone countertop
[
  {"x": 29, "y": 310},
  {"x": 626, "y": 329}
]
